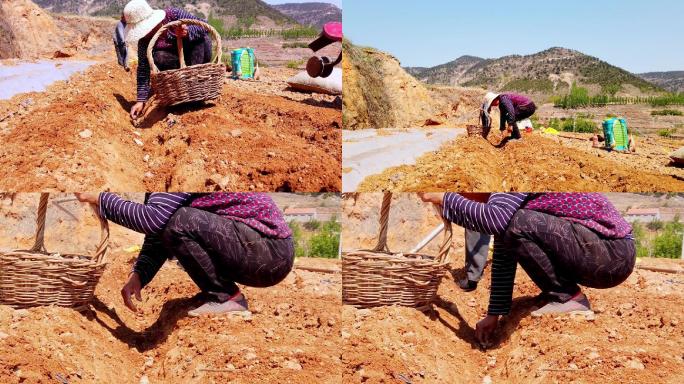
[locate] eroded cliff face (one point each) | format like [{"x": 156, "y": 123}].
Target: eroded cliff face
[{"x": 379, "y": 93}]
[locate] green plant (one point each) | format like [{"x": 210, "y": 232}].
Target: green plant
[
  {"x": 294, "y": 64},
  {"x": 312, "y": 225},
  {"x": 297, "y": 239},
  {"x": 669, "y": 243},
  {"x": 217, "y": 24},
  {"x": 296, "y": 44},
  {"x": 326, "y": 243},
  {"x": 667, "y": 133},
  {"x": 667, "y": 112}
]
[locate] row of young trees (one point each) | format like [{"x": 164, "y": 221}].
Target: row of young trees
[
  {"x": 579, "y": 97},
  {"x": 245, "y": 30}
]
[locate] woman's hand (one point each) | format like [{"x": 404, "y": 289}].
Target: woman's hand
[
  {"x": 432, "y": 197},
  {"x": 485, "y": 329},
  {"x": 92, "y": 198},
  {"x": 132, "y": 287},
  {"x": 182, "y": 31},
  {"x": 137, "y": 109}
]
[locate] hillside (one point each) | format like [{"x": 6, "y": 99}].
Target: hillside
[
  {"x": 29, "y": 32},
  {"x": 313, "y": 14},
  {"x": 548, "y": 72},
  {"x": 244, "y": 13},
  {"x": 673, "y": 81},
  {"x": 379, "y": 93}
]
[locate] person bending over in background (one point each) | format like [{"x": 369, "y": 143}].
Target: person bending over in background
[
  {"x": 513, "y": 107},
  {"x": 120, "y": 43},
  {"x": 561, "y": 240},
  {"x": 142, "y": 22},
  {"x": 220, "y": 239}
]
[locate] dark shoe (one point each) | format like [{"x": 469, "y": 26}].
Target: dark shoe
[{"x": 467, "y": 285}]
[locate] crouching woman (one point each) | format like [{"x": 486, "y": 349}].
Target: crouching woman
[
  {"x": 561, "y": 240},
  {"x": 220, "y": 240}
]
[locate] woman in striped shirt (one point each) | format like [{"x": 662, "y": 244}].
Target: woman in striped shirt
[
  {"x": 142, "y": 23},
  {"x": 562, "y": 240},
  {"x": 220, "y": 239}
]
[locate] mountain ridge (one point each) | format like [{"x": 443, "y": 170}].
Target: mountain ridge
[
  {"x": 551, "y": 71},
  {"x": 315, "y": 14}
]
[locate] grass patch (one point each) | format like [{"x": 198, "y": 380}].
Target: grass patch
[
  {"x": 579, "y": 98},
  {"x": 297, "y": 44},
  {"x": 667, "y": 133},
  {"x": 667, "y": 112},
  {"x": 578, "y": 124},
  {"x": 295, "y": 64}
]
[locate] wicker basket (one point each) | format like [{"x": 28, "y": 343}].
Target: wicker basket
[
  {"x": 200, "y": 82},
  {"x": 475, "y": 130},
  {"x": 36, "y": 277},
  {"x": 377, "y": 277}
]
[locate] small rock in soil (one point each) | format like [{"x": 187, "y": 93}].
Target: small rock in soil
[
  {"x": 236, "y": 133},
  {"x": 86, "y": 133},
  {"x": 292, "y": 364}
]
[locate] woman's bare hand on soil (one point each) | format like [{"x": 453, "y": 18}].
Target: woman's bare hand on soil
[{"x": 132, "y": 287}]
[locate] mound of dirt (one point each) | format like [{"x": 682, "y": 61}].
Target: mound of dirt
[
  {"x": 290, "y": 335},
  {"x": 29, "y": 32},
  {"x": 77, "y": 135},
  {"x": 634, "y": 336},
  {"x": 536, "y": 163},
  {"x": 378, "y": 93}
]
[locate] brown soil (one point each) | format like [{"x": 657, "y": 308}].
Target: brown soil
[
  {"x": 292, "y": 334},
  {"x": 249, "y": 139},
  {"x": 536, "y": 163},
  {"x": 635, "y": 337}
]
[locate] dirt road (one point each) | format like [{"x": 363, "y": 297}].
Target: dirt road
[
  {"x": 536, "y": 163},
  {"x": 258, "y": 136}
]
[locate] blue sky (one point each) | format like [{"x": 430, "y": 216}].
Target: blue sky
[
  {"x": 638, "y": 35},
  {"x": 336, "y": 2}
]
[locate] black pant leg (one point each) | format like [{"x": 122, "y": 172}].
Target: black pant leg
[
  {"x": 197, "y": 52},
  {"x": 218, "y": 252},
  {"x": 546, "y": 249}
]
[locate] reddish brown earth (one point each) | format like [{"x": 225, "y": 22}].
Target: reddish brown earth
[
  {"x": 636, "y": 335},
  {"x": 291, "y": 335},
  {"x": 537, "y": 163},
  {"x": 252, "y": 138}
]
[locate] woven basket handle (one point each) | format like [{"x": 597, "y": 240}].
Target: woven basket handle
[
  {"x": 381, "y": 246},
  {"x": 39, "y": 243},
  {"x": 179, "y": 41}
]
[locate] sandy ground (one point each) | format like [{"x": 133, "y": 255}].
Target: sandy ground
[
  {"x": 259, "y": 135},
  {"x": 635, "y": 336},
  {"x": 369, "y": 151},
  {"x": 292, "y": 333},
  {"x": 537, "y": 163}
]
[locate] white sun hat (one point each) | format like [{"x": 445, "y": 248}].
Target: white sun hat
[
  {"x": 488, "y": 99},
  {"x": 140, "y": 19}
]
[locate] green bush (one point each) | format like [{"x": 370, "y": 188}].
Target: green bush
[
  {"x": 579, "y": 124},
  {"x": 294, "y": 64},
  {"x": 312, "y": 225},
  {"x": 297, "y": 239},
  {"x": 669, "y": 243},
  {"x": 327, "y": 242},
  {"x": 667, "y": 112},
  {"x": 655, "y": 225},
  {"x": 667, "y": 133}
]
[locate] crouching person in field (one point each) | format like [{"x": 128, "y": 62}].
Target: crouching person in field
[
  {"x": 561, "y": 240},
  {"x": 512, "y": 109},
  {"x": 220, "y": 239}
]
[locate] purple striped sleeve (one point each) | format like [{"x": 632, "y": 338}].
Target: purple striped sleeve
[
  {"x": 194, "y": 32},
  {"x": 491, "y": 218},
  {"x": 149, "y": 218}
]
